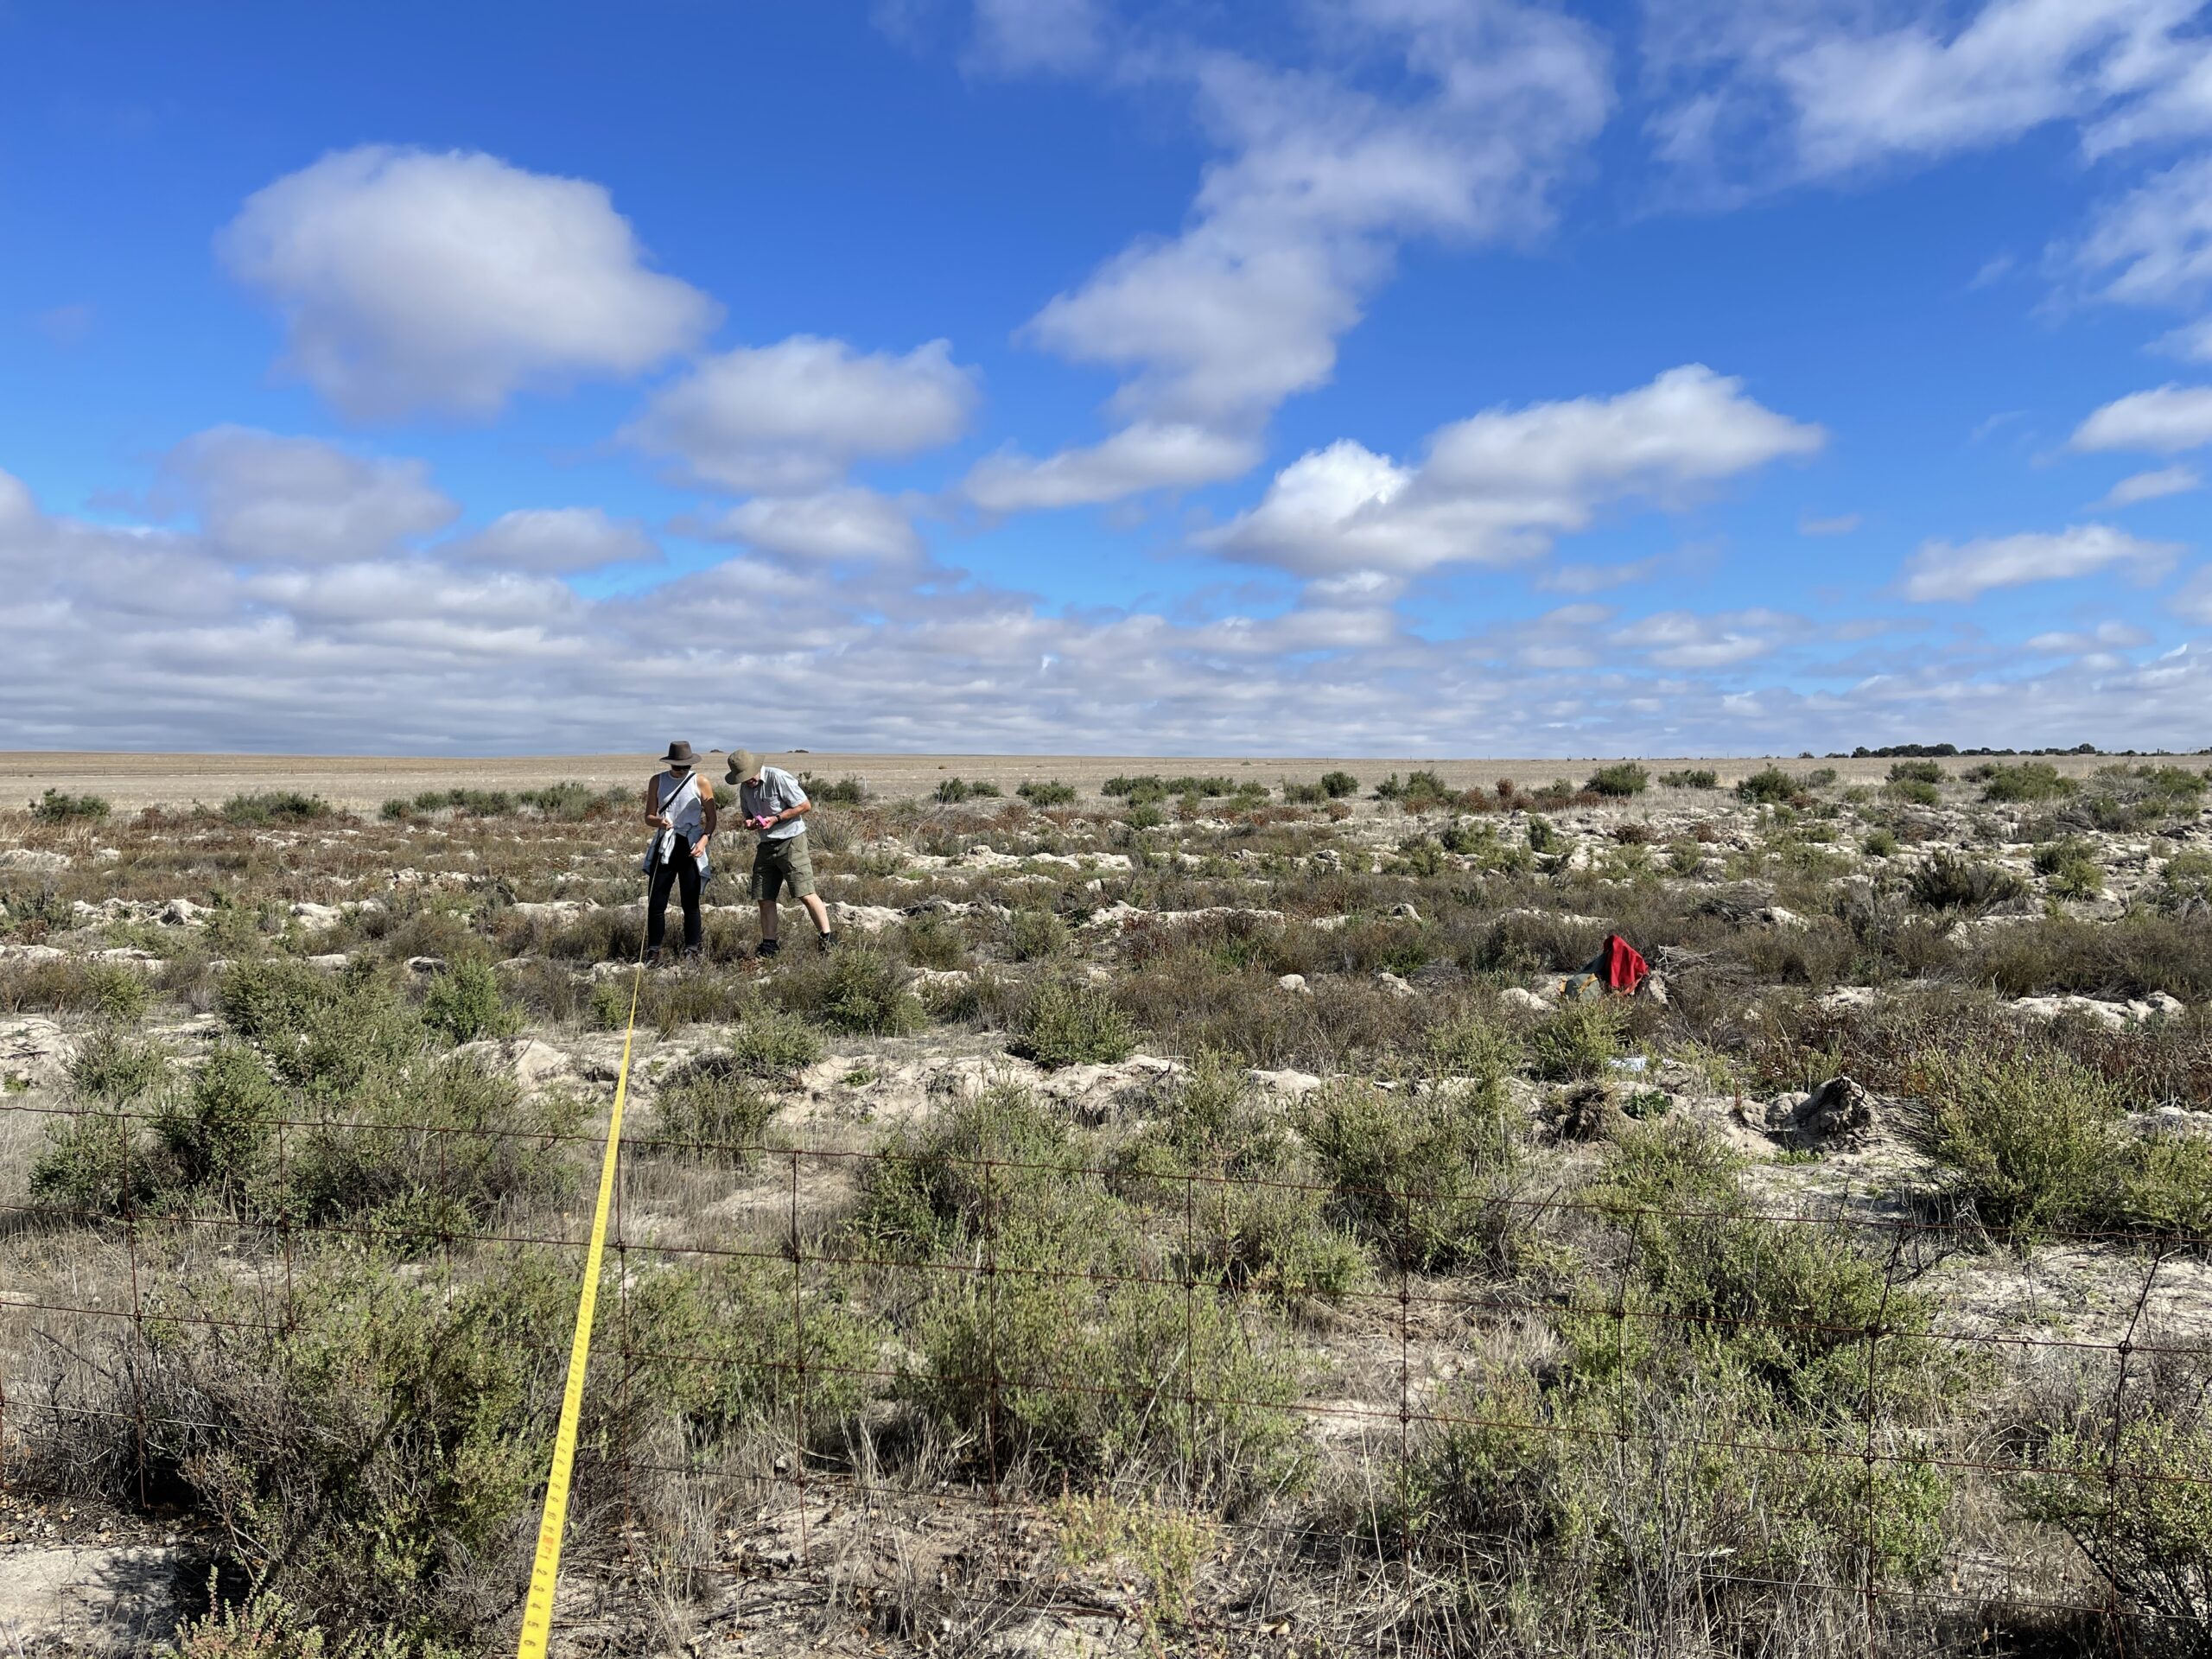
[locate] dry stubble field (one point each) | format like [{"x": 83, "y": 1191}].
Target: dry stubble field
[{"x": 1186, "y": 1220}]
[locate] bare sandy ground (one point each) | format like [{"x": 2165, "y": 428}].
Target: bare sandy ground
[{"x": 364, "y": 783}]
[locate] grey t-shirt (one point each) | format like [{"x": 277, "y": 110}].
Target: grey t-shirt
[{"x": 776, "y": 792}]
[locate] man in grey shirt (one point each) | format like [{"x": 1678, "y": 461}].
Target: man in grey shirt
[{"x": 772, "y": 805}]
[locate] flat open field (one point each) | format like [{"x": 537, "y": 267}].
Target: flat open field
[
  {"x": 1200, "y": 1221},
  {"x": 364, "y": 783}
]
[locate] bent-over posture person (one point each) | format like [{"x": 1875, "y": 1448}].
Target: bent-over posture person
[
  {"x": 680, "y": 803},
  {"x": 771, "y": 802}
]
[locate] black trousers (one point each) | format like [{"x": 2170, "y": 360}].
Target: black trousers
[{"x": 680, "y": 870}]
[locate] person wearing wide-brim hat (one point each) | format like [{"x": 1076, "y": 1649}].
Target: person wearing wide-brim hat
[
  {"x": 773, "y": 804},
  {"x": 680, "y": 804}
]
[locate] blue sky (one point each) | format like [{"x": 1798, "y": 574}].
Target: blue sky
[{"x": 1385, "y": 376}]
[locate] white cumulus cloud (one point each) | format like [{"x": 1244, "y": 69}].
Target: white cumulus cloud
[
  {"x": 1850, "y": 87},
  {"x": 2163, "y": 421},
  {"x": 850, "y": 524},
  {"x": 264, "y": 499},
  {"x": 1499, "y": 487},
  {"x": 412, "y": 281},
  {"x": 1142, "y": 457},
  {"x": 1318, "y": 182},
  {"x": 554, "y": 541},
  {"x": 2106, "y": 636},
  {"x": 1942, "y": 570},
  {"x": 2153, "y": 485},
  {"x": 792, "y": 417}
]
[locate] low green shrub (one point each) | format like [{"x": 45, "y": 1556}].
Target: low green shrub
[
  {"x": 1692, "y": 778},
  {"x": 464, "y": 1003},
  {"x": 998, "y": 1164},
  {"x": 94, "y": 1164},
  {"x": 1085, "y": 1380},
  {"x": 1051, "y": 793},
  {"x": 2184, "y": 885},
  {"x": 1916, "y": 772},
  {"x": 2132, "y": 1489},
  {"x": 1575, "y": 1041},
  {"x": 275, "y": 806},
  {"x": 1770, "y": 786},
  {"x": 2031, "y": 781},
  {"x": 1074, "y": 1357},
  {"x": 374, "y": 1457},
  {"x": 218, "y": 1135},
  {"x": 1426, "y": 1178},
  {"x": 55, "y": 807},
  {"x": 1880, "y": 843},
  {"x": 1950, "y": 880},
  {"x": 322, "y": 1030},
  {"x": 1620, "y": 780},
  {"x": 1676, "y": 1424},
  {"x": 713, "y": 1108},
  {"x": 1064, "y": 1023},
  {"x": 2036, "y": 1140},
  {"x": 372, "y": 1451},
  {"x": 773, "y": 1045},
  {"x": 2071, "y": 868},
  {"x": 117, "y": 992},
  {"x": 110, "y": 1066},
  {"x": 1913, "y": 791},
  {"x": 1339, "y": 785},
  {"x": 1036, "y": 935},
  {"x": 570, "y": 802},
  {"x": 846, "y": 792},
  {"x": 855, "y": 988},
  {"x": 748, "y": 1343},
  {"x": 1247, "y": 1206}
]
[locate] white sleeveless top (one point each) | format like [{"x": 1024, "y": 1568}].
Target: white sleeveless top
[{"x": 679, "y": 804}]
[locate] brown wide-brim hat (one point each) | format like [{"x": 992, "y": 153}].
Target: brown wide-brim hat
[
  {"x": 744, "y": 765},
  {"x": 679, "y": 754}
]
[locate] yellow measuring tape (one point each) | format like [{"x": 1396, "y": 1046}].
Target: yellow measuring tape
[{"x": 538, "y": 1613}]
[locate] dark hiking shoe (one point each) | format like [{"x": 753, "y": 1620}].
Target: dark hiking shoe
[
  {"x": 825, "y": 942},
  {"x": 652, "y": 958},
  {"x": 769, "y": 947}
]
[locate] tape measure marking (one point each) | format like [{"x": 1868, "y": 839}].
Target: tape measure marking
[{"x": 544, "y": 1574}]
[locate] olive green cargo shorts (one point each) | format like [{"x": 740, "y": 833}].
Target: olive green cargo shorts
[{"x": 781, "y": 866}]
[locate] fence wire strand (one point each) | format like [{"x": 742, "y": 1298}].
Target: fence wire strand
[{"x": 828, "y": 1463}]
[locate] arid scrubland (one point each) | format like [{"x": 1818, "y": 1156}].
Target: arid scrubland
[{"x": 1183, "y": 1220}]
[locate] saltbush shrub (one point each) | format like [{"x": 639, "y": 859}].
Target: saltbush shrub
[
  {"x": 2031, "y": 781},
  {"x": 714, "y": 1109},
  {"x": 1769, "y": 786},
  {"x": 1035, "y": 935},
  {"x": 1622, "y": 778},
  {"x": 856, "y": 989},
  {"x": 2035, "y": 1140},
  {"x": 56, "y": 807},
  {"x": 1065, "y": 1023},
  {"x": 1949, "y": 881},
  {"x": 464, "y": 1003},
  {"x": 1426, "y": 1178},
  {"x": 274, "y": 806}
]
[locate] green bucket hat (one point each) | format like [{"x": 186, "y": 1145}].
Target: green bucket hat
[{"x": 743, "y": 764}]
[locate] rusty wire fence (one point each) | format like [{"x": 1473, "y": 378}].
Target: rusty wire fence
[{"x": 895, "y": 1437}]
